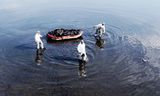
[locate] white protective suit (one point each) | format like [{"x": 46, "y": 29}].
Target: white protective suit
[
  {"x": 38, "y": 40},
  {"x": 102, "y": 28},
  {"x": 82, "y": 50}
]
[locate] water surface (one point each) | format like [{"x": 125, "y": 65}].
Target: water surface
[{"x": 124, "y": 63}]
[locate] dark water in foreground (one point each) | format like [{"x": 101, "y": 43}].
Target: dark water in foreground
[{"x": 127, "y": 65}]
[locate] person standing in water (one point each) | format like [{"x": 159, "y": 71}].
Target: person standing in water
[
  {"x": 38, "y": 40},
  {"x": 82, "y": 50},
  {"x": 100, "y": 29}
]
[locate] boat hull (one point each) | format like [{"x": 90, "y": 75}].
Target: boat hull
[{"x": 61, "y": 38}]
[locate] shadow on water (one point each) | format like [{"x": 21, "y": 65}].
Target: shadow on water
[
  {"x": 39, "y": 56},
  {"x": 100, "y": 42},
  {"x": 82, "y": 68}
]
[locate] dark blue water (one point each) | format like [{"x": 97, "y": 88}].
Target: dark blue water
[{"x": 125, "y": 62}]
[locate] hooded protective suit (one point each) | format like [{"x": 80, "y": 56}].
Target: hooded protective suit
[
  {"x": 102, "y": 26},
  {"x": 100, "y": 29},
  {"x": 82, "y": 50},
  {"x": 38, "y": 40}
]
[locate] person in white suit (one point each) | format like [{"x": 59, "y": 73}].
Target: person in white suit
[
  {"x": 38, "y": 40},
  {"x": 82, "y": 51},
  {"x": 100, "y": 29}
]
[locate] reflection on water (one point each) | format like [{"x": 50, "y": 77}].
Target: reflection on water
[
  {"x": 99, "y": 42},
  {"x": 39, "y": 56},
  {"x": 82, "y": 64}
]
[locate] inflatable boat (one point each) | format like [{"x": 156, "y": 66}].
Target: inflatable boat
[{"x": 64, "y": 34}]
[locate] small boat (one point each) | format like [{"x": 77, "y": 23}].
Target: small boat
[{"x": 64, "y": 34}]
